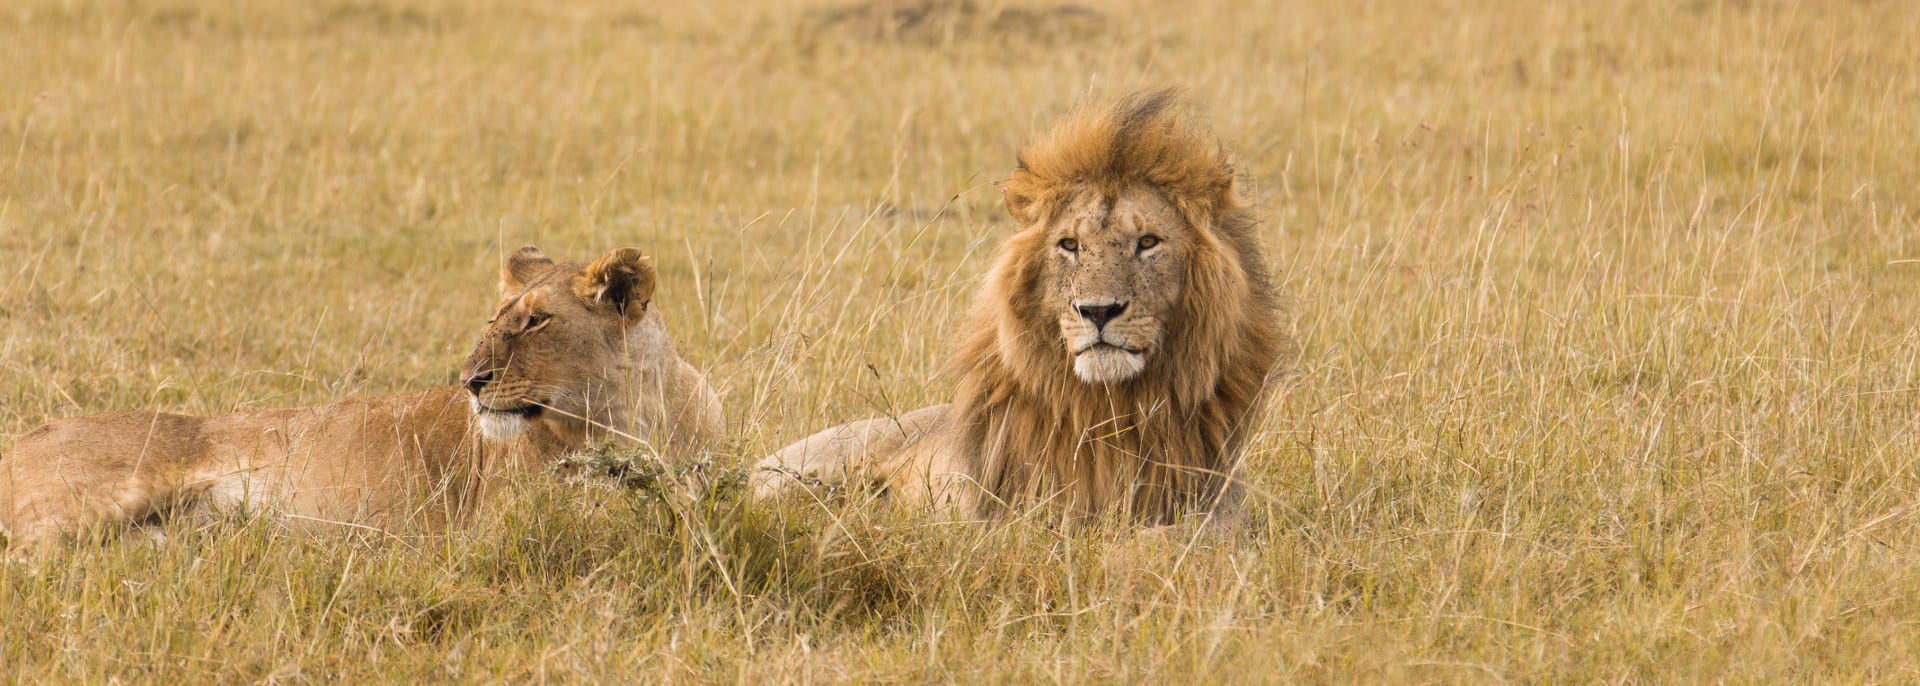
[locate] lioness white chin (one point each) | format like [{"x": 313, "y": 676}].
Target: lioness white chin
[
  {"x": 575, "y": 353},
  {"x": 1117, "y": 353}
]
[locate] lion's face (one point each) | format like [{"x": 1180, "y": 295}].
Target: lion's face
[
  {"x": 555, "y": 351},
  {"x": 1113, "y": 275}
]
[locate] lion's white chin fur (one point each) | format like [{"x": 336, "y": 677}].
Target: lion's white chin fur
[{"x": 1105, "y": 364}]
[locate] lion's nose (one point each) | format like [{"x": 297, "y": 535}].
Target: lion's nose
[
  {"x": 1099, "y": 315},
  {"x": 478, "y": 380}
]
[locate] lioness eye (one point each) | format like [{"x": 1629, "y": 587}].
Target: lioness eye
[
  {"x": 535, "y": 320},
  {"x": 1069, "y": 245},
  {"x": 1149, "y": 241}
]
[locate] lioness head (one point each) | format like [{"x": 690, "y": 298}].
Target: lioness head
[{"x": 557, "y": 350}]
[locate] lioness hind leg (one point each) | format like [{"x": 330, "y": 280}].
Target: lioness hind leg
[
  {"x": 79, "y": 476},
  {"x": 47, "y": 520},
  {"x": 31, "y": 539},
  {"x": 847, "y": 453}
]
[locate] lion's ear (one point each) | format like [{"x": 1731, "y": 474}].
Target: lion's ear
[
  {"x": 521, "y": 267},
  {"x": 1022, "y": 205},
  {"x": 622, "y": 279}
]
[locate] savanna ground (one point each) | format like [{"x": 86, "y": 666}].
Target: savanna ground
[{"x": 1609, "y": 353}]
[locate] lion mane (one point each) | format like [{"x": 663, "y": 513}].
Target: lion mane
[
  {"x": 1024, "y": 429},
  {"x": 1169, "y": 440}
]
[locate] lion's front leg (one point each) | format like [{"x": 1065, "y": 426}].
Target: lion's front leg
[
  {"x": 860, "y": 454},
  {"x": 928, "y": 473}
]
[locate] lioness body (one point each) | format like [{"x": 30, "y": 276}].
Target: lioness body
[
  {"x": 374, "y": 461},
  {"x": 601, "y": 366},
  {"x": 1116, "y": 354}
]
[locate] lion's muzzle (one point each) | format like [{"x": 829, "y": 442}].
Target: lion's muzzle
[{"x": 1107, "y": 346}]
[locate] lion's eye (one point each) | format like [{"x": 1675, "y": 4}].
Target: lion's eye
[
  {"x": 1069, "y": 245},
  {"x": 1148, "y": 241},
  {"x": 535, "y": 320}
]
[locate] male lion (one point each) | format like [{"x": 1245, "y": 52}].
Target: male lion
[
  {"x": 1121, "y": 343},
  {"x": 574, "y": 352}
]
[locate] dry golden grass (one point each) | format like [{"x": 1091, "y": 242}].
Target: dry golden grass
[{"x": 1609, "y": 372}]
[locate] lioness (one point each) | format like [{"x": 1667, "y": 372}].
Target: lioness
[
  {"x": 574, "y": 352},
  {"x": 1114, "y": 357}
]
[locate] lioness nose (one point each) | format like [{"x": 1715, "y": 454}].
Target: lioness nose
[
  {"x": 478, "y": 380},
  {"x": 1100, "y": 314}
]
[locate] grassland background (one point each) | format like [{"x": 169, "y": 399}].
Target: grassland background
[{"x": 1607, "y": 309}]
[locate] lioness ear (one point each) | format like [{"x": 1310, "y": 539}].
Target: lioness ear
[
  {"x": 521, "y": 267},
  {"x": 622, "y": 279}
]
